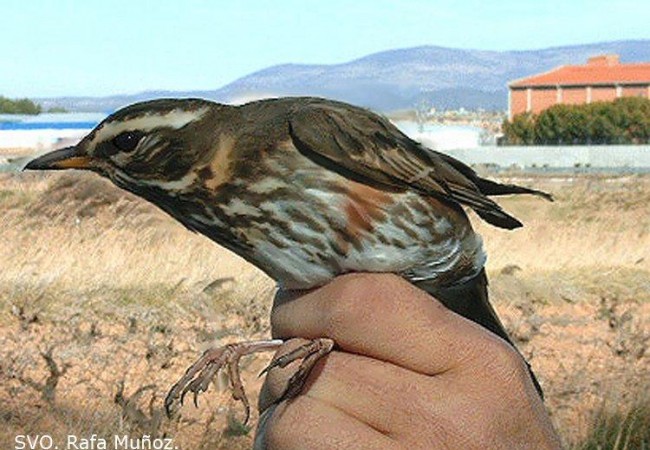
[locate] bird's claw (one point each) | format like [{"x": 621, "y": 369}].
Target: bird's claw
[
  {"x": 310, "y": 353},
  {"x": 198, "y": 376}
]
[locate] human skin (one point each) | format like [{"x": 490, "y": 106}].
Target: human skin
[{"x": 406, "y": 373}]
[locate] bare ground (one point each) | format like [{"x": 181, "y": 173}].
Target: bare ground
[{"x": 104, "y": 301}]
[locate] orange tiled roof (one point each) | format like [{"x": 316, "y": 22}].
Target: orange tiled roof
[{"x": 589, "y": 75}]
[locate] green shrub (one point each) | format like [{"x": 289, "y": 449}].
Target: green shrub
[
  {"x": 623, "y": 121},
  {"x": 21, "y": 106}
]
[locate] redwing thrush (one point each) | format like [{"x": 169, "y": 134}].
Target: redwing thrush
[{"x": 305, "y": 189}]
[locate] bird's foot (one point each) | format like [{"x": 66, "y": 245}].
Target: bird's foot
[
  {"x": 310, "y": 353},
  {"x": 198, "y": 376}
]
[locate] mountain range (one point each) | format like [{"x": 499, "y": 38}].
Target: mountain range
[{"x": 443, "y": 78}]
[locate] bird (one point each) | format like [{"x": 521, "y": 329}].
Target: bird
[{"x": 306, "y": 189}]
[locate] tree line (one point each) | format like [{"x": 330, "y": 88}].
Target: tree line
[
  {"x": 20, "y": 106},
  {"x": 623, "y": 121}
]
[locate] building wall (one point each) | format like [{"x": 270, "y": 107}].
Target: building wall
[
  {"x": 603, "y": 94},
  {"x": 542, "y": 98},
  {"x": 518, "y": 101},
  {"x": 635, "y": 91},
  {"x": 574, "y": 95},
  {"x": 621, "y": 157}
]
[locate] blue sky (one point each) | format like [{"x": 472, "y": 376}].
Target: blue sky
[{"x": 63, "y": 47}]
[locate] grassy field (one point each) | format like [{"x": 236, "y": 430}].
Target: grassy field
[{"x": 105, "y": 301}]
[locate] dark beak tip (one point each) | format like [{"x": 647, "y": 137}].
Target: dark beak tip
[
  {"x": 64, "y": 158},
  {"x": 32, "y": 165}
]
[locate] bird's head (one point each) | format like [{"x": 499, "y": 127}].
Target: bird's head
[{"x": 152, "y": 143}]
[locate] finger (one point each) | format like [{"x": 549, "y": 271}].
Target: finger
[
  {"x": 259, "y": 443},
  {"x": 385, "y": 396},
  {"x": 277, "y": 379},
  {"x": 308, "y": 423},
  {"x": 384, "y": 317}
]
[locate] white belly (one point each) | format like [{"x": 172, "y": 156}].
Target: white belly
[{"x": 426, "y": 247}]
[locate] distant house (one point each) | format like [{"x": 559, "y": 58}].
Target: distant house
[{"x": 603, "y": 78}]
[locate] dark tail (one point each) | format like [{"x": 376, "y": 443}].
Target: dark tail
[
  {"x": 470, "y": 300},
  {"x": 489, "y": 187},
  {"x": 475, "y": 190}
]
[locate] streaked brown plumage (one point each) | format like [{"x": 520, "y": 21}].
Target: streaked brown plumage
[{"x": 305, "y": 189}]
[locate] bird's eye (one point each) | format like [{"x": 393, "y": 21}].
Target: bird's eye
[{"x": 128, "y": 140}]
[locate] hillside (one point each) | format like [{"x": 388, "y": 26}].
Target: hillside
[{"x": 446, "y": 78}]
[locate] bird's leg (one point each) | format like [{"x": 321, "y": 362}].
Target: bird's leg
[
  {"x": 310, "y": 353},
  {"x": 198, "y": 376}
]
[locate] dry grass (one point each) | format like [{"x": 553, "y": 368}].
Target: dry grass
[
  {"x": 616, "y": 428},
  {"x": 105, "y": 301}
]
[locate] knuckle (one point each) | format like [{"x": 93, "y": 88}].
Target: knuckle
[
  {"x": 506, "y": 365},
  {"x": 506, "y": 356},
  {"x": 351, "y": 294},
  {"x": 341, "y": 315}
]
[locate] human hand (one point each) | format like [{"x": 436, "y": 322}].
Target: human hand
[{"x": 406, "y": 373}]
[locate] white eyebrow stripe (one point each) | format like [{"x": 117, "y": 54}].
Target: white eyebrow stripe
[{"x": 176, "y": 119}]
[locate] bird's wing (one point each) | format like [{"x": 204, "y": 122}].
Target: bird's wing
[{"x": 368, "y": 148}]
